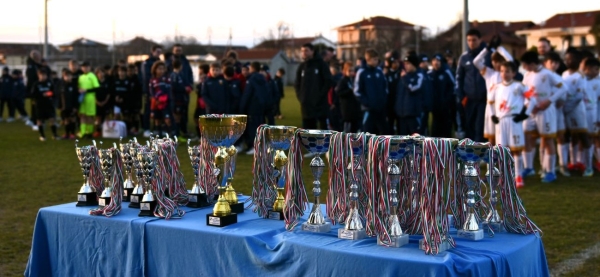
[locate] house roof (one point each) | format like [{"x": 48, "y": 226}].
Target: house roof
[
  {"x": 138, "y": 40},
  {"x": 378, "y": 21},
  {"x": 567, "y": 20},
  {"x": 85, "y": 42},
  {"x": 257, "y": 54},
  {"x": 272, "y": 43}
]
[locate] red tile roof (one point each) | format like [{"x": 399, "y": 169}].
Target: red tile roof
[
  {"x": 567, "y": 20},
  {"x": 378, "y": 21},
  {"x": 260, "y": 54}
]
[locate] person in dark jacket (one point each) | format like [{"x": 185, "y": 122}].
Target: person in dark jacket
[
  {"x": 253, "y": 103},
  {"x": 443, "y": 97},
  {"x": 393, "y": 77},
  {"x": 213, "y": 91},
  {"x": 409, "y": 98},
  {"x": 6, "y": 95},
  {"x": 313, "y": 81},
  {"x": 280, "y": 91},
  {"x": 272, "y": 99},
  {"x": 371, "y": 89},
  {"x": 34, "y": 63},
  {"x": 181, "y": 99},
  {"x": 471, "y": 91},
  {"x": 132, "y": 101},
  {"x": 121, "y": 89},
  {"x": 103, "y": 103},
  {"x": 69, "y": 102},
  {"x": 43, "y": 93},
  {"x": 427, "y": 94},
  {"x": 160, "y": 98},
  {"x": 233, "y": 90},
  {"x": 349, "y": 105},
  {"x": 19, "y": 93},
  {"x": 145, "y": 76},
  {"x": 335, "y": 115}
]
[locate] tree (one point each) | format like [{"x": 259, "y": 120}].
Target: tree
[
  {"x": 278, "y": 36},
  {"x": 595, "y": 31}
]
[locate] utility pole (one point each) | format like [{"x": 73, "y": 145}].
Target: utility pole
[
  {"x": 45, "y": 29},
  {"x": 465, "y": 24}
]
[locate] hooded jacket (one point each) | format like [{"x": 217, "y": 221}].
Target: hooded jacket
[
  {"x": 255, "y": 97},
  {"x": 409, "y": 97},
  {"x": 146, "y": 73},
  {"x": 213, "y": 93},
  {"x": 443, "y": 88},
  {"x": 349, "y": 105},
  {"x": 469, "y": 82},
  {"x": 371, "y": 89},
  {"x": 187, "y": 76},
  {"x": 313, "y": 81},
  {"x": 6, "y": 86}
]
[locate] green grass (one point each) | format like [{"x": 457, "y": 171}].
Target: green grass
[{"x": 35, "y": 174}]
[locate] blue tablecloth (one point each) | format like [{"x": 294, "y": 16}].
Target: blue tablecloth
[{"x": 69, "y": 242}]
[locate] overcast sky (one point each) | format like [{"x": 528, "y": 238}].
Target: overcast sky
[{"x": 250, "y": 21}]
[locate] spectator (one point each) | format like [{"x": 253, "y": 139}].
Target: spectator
[
  {"x": 427, "y": 94},
  {"x": 103, "y": 101},
  {"x": 280, "y": 91},
  {"x": 349, "y": 105},
  {"x": 43, "y": 93},
  {"x": 34, "y": 63},
  {"x": 409, "y": 97},
  {"x": 237, "y": 65},
  {"x": 146, "y": 75},
  {"x": 392, "y": 63},
  {"x": 232, "y": 90},
  {"x": 203, "y": 72},
  {"x": 470, "y": 87},
  {"x": 370, "y": 87},
  {"x": 328, "y": 55},
  {"x": 543, "y": 48},
  {"x": 6, "y": 95},
  {"x": 68, "y": 104},
  {"x": 19, "y": 93},
  {"x": 335, "y": 115},
  {"x": 272, "y": 99},
  {"x": 443, "y": 93},
  {"x": 313, "y": 81},
  {"x": 253, "y": 103},
  {"x": 160, "y": 97},
  {"x": 88, "y": 85},
  {"x": 132, "y": 102},
  {"x": 181, "y": 98}
]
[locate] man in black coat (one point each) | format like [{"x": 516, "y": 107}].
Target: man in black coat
[
  {"x": 313, "y": 81},
  {"x": 254, "y": 103}
]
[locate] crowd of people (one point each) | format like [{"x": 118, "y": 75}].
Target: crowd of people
[{"x": 482, "y": 96}]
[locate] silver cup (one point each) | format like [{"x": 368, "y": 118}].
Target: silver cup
[
  {"x": 107, "y": 162},
  {"x": 138, "y": 190},
  {"x": 353, "y": 227},
  {"x": 128, "y": 184},
  {"x": 148, "y": 160},
  {"x": 87, "y": 194},
  {"x": 197, "y": 196}
]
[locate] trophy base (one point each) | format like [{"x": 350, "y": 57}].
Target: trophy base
[
  {"x": 322, "y": 228},
  {"x": 470, "y": 235},
  {"x": 197, "y": 200},
  {"x": 127, "y": 194},
  {"x": 237, "y": 208},
  {"x": 103, "y": 201},
  {"x": 351, "y": 234},
  {"x": 443, "y": 247},
  {"x": 396, "y": 242},
  {"x": 216, "y": 197},
  {"x": 497, "y": 227},
  {"x": 87, "y": 199},
  {"x": 275, "y": 215},
  {"x": 220, "y": 221},
  {"x": 147, "y": 209},
  {"x": 134, "y": 201}
]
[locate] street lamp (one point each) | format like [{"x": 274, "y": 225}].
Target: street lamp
[{"x": 417, "y": 29}]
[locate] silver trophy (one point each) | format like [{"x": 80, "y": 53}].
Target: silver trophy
[
  {"x": 148, "y": 159},
  {"x": 353, "y": 227},
  {"x": 317, "y": 143},
  {"x": 128, "y": 184},
  {"x": 107, "y": 162},
  {"x": 197, "y": 196},
  {"x": 470, "y": 155},
  {"x": 493, "y": 220},
  {"x": 87, "y": 194},
  {"x": 138, "y": 190}
]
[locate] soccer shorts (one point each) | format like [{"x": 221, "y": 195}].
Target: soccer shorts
[
  {"x": 542, "y": 124},
  {"x": 576, "y": 120},
  {"x": 509, "y": 133},
  {"x": 591, "y": 119},
  {"x": 88, "y": 105},
  {"x": 489, "y": 128},
  {"x": 560, "y": 121}
]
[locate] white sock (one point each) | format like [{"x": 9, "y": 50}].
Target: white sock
[
  {"x": 542, "y": 154},
  {"x": 563, "y": 154},
  {"x": 588, "y": 157},
  {"x": 528, "y": 158},
  {"x": 546, "y": 164},
  {"x": 552, "y": 162},
  {"x": 518, "y": 164},
  {"x": 572, "y": 153}
]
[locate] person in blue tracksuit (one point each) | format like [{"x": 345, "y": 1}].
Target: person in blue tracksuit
[
  {"x": 370, "y": 87},
  {"x": 254, "y": 102},
  {"x": 6, "y": 96},
  {"x": 427, "y": 94},
  {"x": 272, "y": 86},
  {"x": 443, "y": 97},
  {"x": 213, "y": 91},
  {"x": 232, "y": 90},
  {"x": 393, "y": 77},
  {"x": 409, "y": 97}
]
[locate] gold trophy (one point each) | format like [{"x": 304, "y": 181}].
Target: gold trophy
[
  {"x": 280, "y": 140},
  {"x": 222, "y": 131}
]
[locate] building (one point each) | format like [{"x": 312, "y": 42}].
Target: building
[
  {"x": 136, "y": 46},
  {"x": 380, "y": 32},
  {"x": 291, "y": 46},
  {"x": 16, "y": 54},
  {"x": 273, "y": 58},
  {"x": 564, "y": 30},
  {"x": 220, "y": 51},
  {"x": 83, "y": 49}
]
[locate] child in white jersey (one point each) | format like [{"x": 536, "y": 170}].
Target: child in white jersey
[
  {"x": 552, "y": 62},
  {"x": 546, "y": 88},
  {"x": 507, "y": 101},
  {"x": 591, "y": 97}
]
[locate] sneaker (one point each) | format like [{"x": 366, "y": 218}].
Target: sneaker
[
  {"x": 588, "y": 172},
  {"x": 29, "y": 123},
  {"x": 57, "y": 138},
  {"x": 10, "y": 119},
  {"x": 564, "y": 171},
  {"x": 527, "y": 172},
  {"x": 42, "y": 139},
  {"x": 519, "y": 181},
  {"x": 96, "y": 134},
  {"x": 71, "y": 136},
  {"x": 549, "y": 177},
  {"x": 542, "y": 175},
  {"x": 147, "y": 133},
  {"x": 65, "y": 136},
  {"x": 250, "y": 152},
  {"x": 580, "y": 167},
  {"x": 597, "y": 166},
  {"x": 572, "y": 167},
  {"x": 34, "y": 128},
  {"x": 541, "y": 172},
  {"x": 239, "y": 149}
]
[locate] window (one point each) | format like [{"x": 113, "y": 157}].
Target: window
[
  {"x": 583, "y": 41},
  {"x": 362, "y": 35}
]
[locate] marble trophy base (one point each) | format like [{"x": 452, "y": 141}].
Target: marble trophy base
[
  {"x": 321, "y": 228},
  {"x": 470, "y": 235},
  {"x": 237, "y": 208},
  {"x": 127, "y": 194},
  {"x": 103, "y": 201},
  {"x": 134, "y": 200},
  {"x": 396, "y": 242},
  {"x": 498, "y": 227},
  {"x": 275, "y": 215},
  {"x": 351, "y": 234},
  {"x": 443, "y": 246},
  {"x": 220, "y": 221},
  {"x": 197, "y": 200},
  {"x": 87, "y": 199},
  {"x": 147, "y": 209}
]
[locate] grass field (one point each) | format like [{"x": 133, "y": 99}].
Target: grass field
[{"x": 35, "y": 174}]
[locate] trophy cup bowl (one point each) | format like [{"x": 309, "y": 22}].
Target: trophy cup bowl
[
  {"x": 107, "y": 163},
  {"x": 222, "y": 131},
  {"x": 471, "y": 155},
  {"x": 280, "y": 140},
  {"x": 148, "y": 160},
  {"x": 317, "y": 143},
  {"x": 353, "y": 225},
  {"x": 87, "y": 194},
  {"x": 197, "y": 196},
  {"x": 128, "y": 184}
]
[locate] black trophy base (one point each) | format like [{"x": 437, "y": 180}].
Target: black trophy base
[
  {"x": 87, "y": 199},
  {"x": 216, "y": 197},
  {"x": 147, "y": 209},
  {"x": 103, "y": 201},
  {"x": 275, "y": 215},
  {"x": 127, "y": 194},
  {"x": 220, "y": 221},
  {"x": 134, "y": 201},
  {"x": 197, "y": 200},
  {"x": 237, "y": 208}
]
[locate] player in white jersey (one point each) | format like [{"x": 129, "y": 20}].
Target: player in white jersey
[
  {"x": 592, "y": 95},
  {"x": 491, "y": 77},
  {"x": 507, "y": 101},
  {"x": 552, "y": 62},
  {"x": 546, "y": 88},
  {"x": 574, "y": 109}
]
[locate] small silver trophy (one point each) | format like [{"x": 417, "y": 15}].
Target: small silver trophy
[
  {"x": 148, "y": 161},
  {"x": 471, "y": 155},
  {"x": 128, "y": 184},
  {"x": 86, "y": 195},
  {"x": 197, "y": 196},
  {"x": 138, "y": 190},
  {"x": 353, "y": 227},
  {"x": 493, "y": 220},
  {"x": 317, "y": 143},
  {"x": 107, "y": 163}
]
